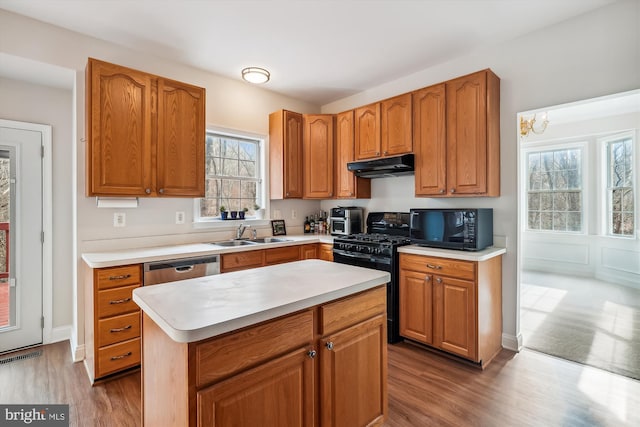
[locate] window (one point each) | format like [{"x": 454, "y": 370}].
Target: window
[
  {"x": 620, "y": 194},
  {"x": 554, "y": 194},
  {"x": 232, "y": 175}
]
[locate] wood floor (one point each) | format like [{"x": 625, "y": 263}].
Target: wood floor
[{"x": 425, "y": 389}]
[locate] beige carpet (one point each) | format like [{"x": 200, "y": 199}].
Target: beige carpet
[{"x": 584, "y": 320}]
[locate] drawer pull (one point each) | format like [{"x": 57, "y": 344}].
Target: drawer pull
[
  {"x": 435, "y": 267},
  {"x": 122, "y": 356},
  {"x": 120, "y": 301},
  {"x": 121, "y": 277},
  {"x": 120, "y": 329}
]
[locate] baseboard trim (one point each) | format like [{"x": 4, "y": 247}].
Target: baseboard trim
[
  {"x": 60, "y": 333},
  {"x": 77, "y": 353},
  {"x": 512, "y": 342}
]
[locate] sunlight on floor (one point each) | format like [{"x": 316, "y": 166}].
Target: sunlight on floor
[
  {"x": 617, "y": 319},
  {"x": 537, "y": 302},
  {"x": 605, "y": 389}
]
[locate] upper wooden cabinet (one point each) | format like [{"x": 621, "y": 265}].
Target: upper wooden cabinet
[
  {"x": 145, "y": 134},
  {"x": 384, "y": 128},
  {"x": 285, "y": 155},
  {"x": 348, "y": 185},
  {"x": 318, "y": 154},
  {"x": 469, "y": 147}
]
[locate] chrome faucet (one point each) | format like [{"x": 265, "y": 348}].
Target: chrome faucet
[{"x": 240, "y": 230}]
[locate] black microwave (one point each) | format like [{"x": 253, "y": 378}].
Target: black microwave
[{"x": 463, "y": 229}]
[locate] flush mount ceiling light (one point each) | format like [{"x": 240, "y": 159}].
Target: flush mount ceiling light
[{"x": 255, "y": 75}]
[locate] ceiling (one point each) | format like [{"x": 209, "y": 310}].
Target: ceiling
[{"x": 316, "y": 51}]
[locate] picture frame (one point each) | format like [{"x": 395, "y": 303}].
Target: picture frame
[{"x": 278, "y": 228}]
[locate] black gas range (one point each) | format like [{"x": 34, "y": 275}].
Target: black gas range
[{"x": 378, "y": 249}]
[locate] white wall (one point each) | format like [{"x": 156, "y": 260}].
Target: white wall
[
  {"x": 27, "y": 102},
  {"x": 591, "y": 55},
  {"x": 592, "y": 253}
]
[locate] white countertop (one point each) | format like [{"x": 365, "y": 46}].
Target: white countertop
[
  {"x": 482, "y": 255},
  {"x": 196, "y": 309},
  {"x": 140, "y": 255}
]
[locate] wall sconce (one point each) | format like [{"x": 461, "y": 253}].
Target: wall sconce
[
  {"x": 527, "y": 126},
  {"x": 255, "y": 75}
]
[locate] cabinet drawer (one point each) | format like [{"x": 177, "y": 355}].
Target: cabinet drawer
[
  {"x": 116, "y": 301},
  {"x": 280, "y": 255},
  {"x": 349, "y": 311},
  {"x": 440, "y": 266},
  {"x": 107, "y": 278},
  {"x": 242, "y": 260},
  {"x": 118, "y": 328},
  {"x": 219, "y": 358},
  {"x": 117, "y": 357}
]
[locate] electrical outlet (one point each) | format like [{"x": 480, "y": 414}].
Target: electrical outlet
[
  {"x": 179, "y": 217},
  {"x": 119, "y": 219},
  {"x": 277, "y": 214},
  {"x": 294, "y": 214}
]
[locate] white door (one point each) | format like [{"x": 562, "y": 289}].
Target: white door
[{"x": 21, "y": 226}]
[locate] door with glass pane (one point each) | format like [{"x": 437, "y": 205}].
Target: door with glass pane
[{"x": 20, "y": 237}]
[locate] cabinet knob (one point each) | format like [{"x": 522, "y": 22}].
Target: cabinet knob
[
  {"x": 442, "y": 191},
  {"x": 427, "y": 278},
  {"x": 385, "y": 153},
  {"x": 439, "y": 280},
  {"x": 287, "y": 194},
  {"x": 311, "y": 354},
  {"x": 453, "y": 190},
  {"x": 161, "y": 191},
  {"x": 330, "y": 194},
  {"x": 147, "y": 190},
  {"x": 329, "y": 345},
  {"x": 377, "y": 153},
  {"x": 350, "y": 193}
]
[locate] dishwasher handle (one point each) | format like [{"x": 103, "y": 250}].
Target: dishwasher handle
[
  {"x": 185, "y": 269},
  {"x": 180, "y": 269}
]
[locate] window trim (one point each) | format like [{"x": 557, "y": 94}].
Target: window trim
[
  {"x": 582, "y": 145},
  {"x": 606, "y": 213},
  {"x": 216, "y": 222}
]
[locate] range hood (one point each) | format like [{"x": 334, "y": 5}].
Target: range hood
[{"x": 380, "y": 168}]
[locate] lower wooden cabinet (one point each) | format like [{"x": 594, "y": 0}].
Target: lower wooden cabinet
[
  {"x": 254, "y": 397},
  {"x": 314, "y": 367},
  {"x": 452, "y": 305},
  {"x": 326, "y": 251},
  {"x": 309, "y": 251},
  {"x": 354, "y": 394},
  {"x": 112, "y": 320}
]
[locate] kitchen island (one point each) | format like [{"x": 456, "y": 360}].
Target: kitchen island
[{"x": 301, "y": 343}]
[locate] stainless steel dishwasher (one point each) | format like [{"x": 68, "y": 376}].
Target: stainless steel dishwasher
[{"x": 180, "y": 269}]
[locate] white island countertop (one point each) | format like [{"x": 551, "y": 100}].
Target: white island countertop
[{"x": 196, "y": 309}]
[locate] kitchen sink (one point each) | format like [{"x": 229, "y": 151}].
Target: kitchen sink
[
  {"x": 270, "y": 240},
  {"x": 236, "y": 243}
]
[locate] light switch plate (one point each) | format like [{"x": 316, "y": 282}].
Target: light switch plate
[
  {"x": 180, "y": 217},
  {"x": 119, "y": 219}
]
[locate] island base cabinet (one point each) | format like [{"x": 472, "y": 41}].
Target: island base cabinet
[
  {"x": 353, "y": 375},
  {"x": 254, "y": 397}
]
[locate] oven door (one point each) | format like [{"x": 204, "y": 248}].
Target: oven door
[
  {"x": 339, "y": 226},
  {"x": 383, "y": 264}
]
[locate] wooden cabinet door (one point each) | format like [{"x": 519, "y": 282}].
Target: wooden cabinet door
[
  {"x": 317, "y": 149},
  {"x": 285, "y": 155},
  {"x": 455, "y": 316},
  {"x": 367, "y": 131},
  {"x": 326, "y": 251},
  {"x": 395, "y": 125},
  {"x": 309, "y": 251},
  {"x": 281, "y": 255},
  {"x": 181, "y": 136},
  {"x": 348, "y": 185},
  {"x": 466, "y": 99},
  {"x": 416, "y": 302},
  {"x": 430, "y": 144},
  {"x": 278, "y": 393},
  {"x": 353, "y": 370},
  {"x": 119, "y": 131}
]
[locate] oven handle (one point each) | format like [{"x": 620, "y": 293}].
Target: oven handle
[{"x": 362, "y": 256}]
